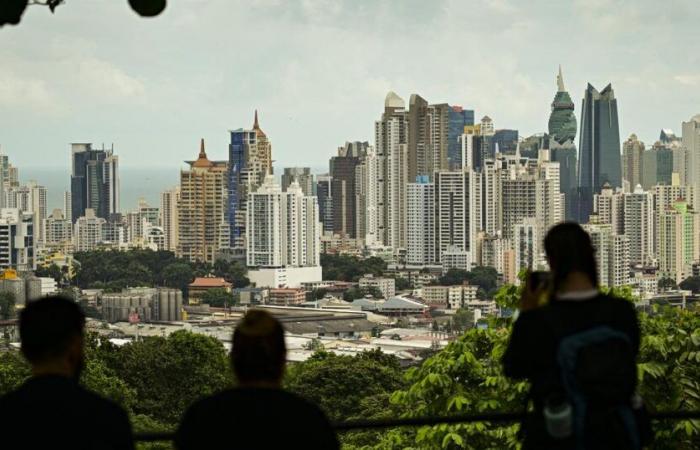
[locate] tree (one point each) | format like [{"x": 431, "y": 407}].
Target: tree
[
  {"x": 178, "y": 275},
  {"x": 357, "y": 292},
  {"x": 453, "y": 276},
  {"x": 339, "y": 383},
  {"x": 13, "y": 371},
  {"x": 350, "y": 268},
  {"x": 666, "y": 284},
  {"x": 52, "y": 271},
  {"x": 218, "y": 298},
  {"x": 233, "y": 272},
  {"x": 463, "y": 319},
  {"x": 169, "y": 374},
  {"x": 484, "y": 277},
  {"x": 7, "y": 305},
  {"x": 402, "y": 284},
  {"x": 691, "y": 284}
]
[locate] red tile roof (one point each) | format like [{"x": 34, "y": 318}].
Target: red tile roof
[{"x": 210, "y": 282}]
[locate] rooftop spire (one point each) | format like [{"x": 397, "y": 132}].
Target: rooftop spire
[
  {"x": 202, "y": 153},
  {"x": 560, "y": 81},
  {"x": 256, "y": 126}
]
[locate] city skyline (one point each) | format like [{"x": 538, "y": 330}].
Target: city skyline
[{"x": 125, "y": 94}]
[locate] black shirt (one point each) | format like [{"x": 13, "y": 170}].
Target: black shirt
[
  {"x": 534, "y": 341},
  {"x": 56, "y": 412},
  {"x": 252, "y": 418}
]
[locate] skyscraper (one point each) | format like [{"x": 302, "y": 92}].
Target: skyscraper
[
  {"x": 678, "y": 241},
  {"x": 458, "y": 119},
  {"x": 250, "y": 161},
  {"x": 599, "y": 147},
  {"x": 691, "y": 145},
  {"x": 283, "y": 227},
  {"x": 633, "y": 161},
  {"x": 391, "y": 142},
  {"x": 367, "y": 198},
  {"x": 302, "y": 175},
  {"x": 202, "y": 208},
  {"x": 343, "y": 172},
  {"x": 457, "y": 212},
  {"x": 94, "y": 181},
  {"x": 325, "y": 201},
  {"x": 420, "y": 223},
  {"x": 169, "y": 217},
  {"x": 562, "y": 132}
]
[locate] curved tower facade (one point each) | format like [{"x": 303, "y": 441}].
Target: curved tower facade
[{"x": 562, "y": 132}]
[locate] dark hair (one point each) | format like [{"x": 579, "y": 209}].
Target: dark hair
[
  {"x": 47, "y": 326},
  {"x": 569, "y": 249},
  {"x": 258, "y": 352}
]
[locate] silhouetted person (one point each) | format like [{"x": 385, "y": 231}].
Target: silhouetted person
[
  {"x": 257, "y": 414},
  {"x": 51, "y": 410},
  {"x": 578, "y": 351}
]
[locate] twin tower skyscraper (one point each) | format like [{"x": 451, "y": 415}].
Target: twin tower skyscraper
[{"x": 599, "y": 160}]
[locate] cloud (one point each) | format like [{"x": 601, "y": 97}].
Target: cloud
[
  {"x": 22, "y": 92},
  {"x": 688, "y": 79},
  {"x": 108, "y": 80}
]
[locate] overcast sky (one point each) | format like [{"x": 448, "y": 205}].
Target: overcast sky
[{"x": 318, "y": 71}]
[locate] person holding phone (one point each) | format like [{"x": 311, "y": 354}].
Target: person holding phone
[{"x": 578, "y": 349}]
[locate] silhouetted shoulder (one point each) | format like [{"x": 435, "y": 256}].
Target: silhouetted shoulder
[{"x": 258, "y": 418}]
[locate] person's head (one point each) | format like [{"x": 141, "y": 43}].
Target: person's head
[
  {"x": 570, "y": 251},
  {"x": 51, "y": 331},
  {"x": 259, "y": 353}
]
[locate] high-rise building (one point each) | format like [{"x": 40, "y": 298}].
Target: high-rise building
[
  {"x": 16, "y": 240},
  {"x": 250, "y": 161},
  {"x": 88, "y": 231},
  {"x": 58, "y": 228},
  {"x": 527, "y": 244},
  {"x": 691, "y": 146},
  {"x": 367, "y": 199},
  {"x": 611, "y": 253},
  {"x": 202, "y": 208},
  {"x": 458, "y": 119},
  {"x": 609, "y": 208},
  {"x": 504, "y": 141},
  {"x": 678, "y": 241},
  {"x": 420, "y": 223},
  {"x": 67, "y": 205},
  {"x": 94, "y": 181},
  {"x": 169, "y": 201},
  {"x": 639, "y": 225},
  {"x": 665, "y": 196},
  {"x": 302, "y": 175},
  {"x": 283, "y": 227},
  {"x": 599, "y": 147},
  {"x": 428, "y": 137},
  {"x": 658, "y": 164},
  {"x": 30, "y": 198},
  {"x": 457, "y": 212},
  {"x": 633, "y": 161},
  {"x": 325, "y": 201},
  {"x": 343, "y": 170},
  {"x": 391, "y": 138}
]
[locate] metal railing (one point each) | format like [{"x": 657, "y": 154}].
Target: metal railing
[{"x": 432, "y": 420}]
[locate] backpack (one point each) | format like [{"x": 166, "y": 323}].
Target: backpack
[{"x": 598, "y": 375}]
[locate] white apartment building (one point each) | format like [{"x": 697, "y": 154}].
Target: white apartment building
[
  {"x": 527, "y": 244},
  {"x": 457, "y": 213},
  {"x": 387, "y": 286},
  {"x": 639, "y": 225},
  {"x": 367, "y": 197},
  {"x": 16, "y": 240},
  {"x": 58, "y": 228},
  {"x": 420, "y": 244},
  {"x": 282, "y": 228},
  {"x": 678, "y": 241},
  {"x": 88, "y": 231},
  {"x": 611, "y": 252}
]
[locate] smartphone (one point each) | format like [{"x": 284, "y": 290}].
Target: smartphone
[{"x": 539, "y": 279}]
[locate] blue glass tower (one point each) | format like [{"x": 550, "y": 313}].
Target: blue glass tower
[
  {"x": 599, "y": 148},
  {"x": 458, "y": 119},
  {"x": 237, "y": 157}
]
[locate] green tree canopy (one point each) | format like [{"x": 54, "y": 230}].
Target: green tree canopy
[
  {"x": 691, "y": 284},
  {"x": 350, "y": 268},
  {"x": 7, "y": 305},
  {"x": 338, "y": 384},
  {"x": 218, "y": 298}
]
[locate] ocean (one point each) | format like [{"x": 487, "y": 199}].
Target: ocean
[{"x": 136, "y": 183}]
